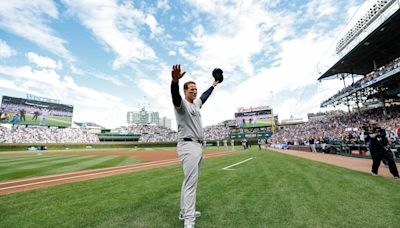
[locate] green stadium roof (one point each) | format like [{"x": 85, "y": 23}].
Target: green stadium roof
[{"x": 381, "y": 46}]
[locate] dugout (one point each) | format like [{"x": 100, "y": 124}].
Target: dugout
[{"x": 115, "y": 137}]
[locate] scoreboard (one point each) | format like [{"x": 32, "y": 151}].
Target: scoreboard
[
  {"x": 253, "y": 122},
  {"x": 254, "y": 117}
]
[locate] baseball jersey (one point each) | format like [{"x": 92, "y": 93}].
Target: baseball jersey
[
  {"x": 188, "y": 115},
  {"x": 188, "y": 118}
]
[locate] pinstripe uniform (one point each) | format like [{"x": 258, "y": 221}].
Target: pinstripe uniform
[{"x": 190, "y": 153}]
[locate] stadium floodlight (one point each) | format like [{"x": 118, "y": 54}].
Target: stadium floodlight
[{"x": 367, "y": 19}]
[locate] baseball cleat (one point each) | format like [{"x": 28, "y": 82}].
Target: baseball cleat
[{"x": 197, "y": 214}]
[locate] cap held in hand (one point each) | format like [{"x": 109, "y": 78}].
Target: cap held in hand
[{"x": 217, "y": 74}]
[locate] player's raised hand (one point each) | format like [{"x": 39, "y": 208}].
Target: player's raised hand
[
  {"x": 215, "y": 83},
  {"x": 176, "y": 72}
]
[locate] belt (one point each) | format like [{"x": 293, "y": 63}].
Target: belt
[{"x": 194, "y": 140}]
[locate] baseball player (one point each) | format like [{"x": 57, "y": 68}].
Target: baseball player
[
  {"x": 190, "y": 138},
  {"x": 225, "y": 144}
]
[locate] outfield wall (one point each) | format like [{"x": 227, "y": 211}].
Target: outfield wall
[
  {"x": 61, "y": 146},
  {"x": 102, "y": 145}
]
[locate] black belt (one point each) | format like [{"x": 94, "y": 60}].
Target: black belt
[{"x": 193, "y": 140}]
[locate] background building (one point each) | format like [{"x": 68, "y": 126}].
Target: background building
[
  {"x": 165, "y": 122},
  {"x": 147, "y": 117}
]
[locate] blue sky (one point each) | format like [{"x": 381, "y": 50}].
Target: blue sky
[{"x": 107, "y": 57}]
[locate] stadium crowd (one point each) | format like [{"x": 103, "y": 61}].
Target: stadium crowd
[
  {"x": 152, "y": 133},
  {"x": 340, "y": 126},
  {"x": 368, "y": 78},
  {"x": 336, "y": 126},
  {"x": 46, "y": 135},
  {"x": 149, "y": 133}
]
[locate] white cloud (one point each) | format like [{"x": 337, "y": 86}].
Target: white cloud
[
  {"x": 76, "y": 70},
  {"x": 8, "y": 84},
  {"x": 111, "y": 79},
  {"x": 5, "y": 50},
  {"x": 317, "y": 9},
  {"x": 117, "y": 26},
  {"x": 45, "y": 76},
  {"x": 42, "y": 61},
  {"x": 163, "y": 4},
  {"x": 29, "y": 19},
  {"x": 239, "y": 28},
  {"x": 172, "y": 53},
  {"x": 153, "y": 25}
]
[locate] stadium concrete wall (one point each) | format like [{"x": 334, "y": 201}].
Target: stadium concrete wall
[
  {"x": 61, "y": 146},
  {"x": 7, "y": 147}
]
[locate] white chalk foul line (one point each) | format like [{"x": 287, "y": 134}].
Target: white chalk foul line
[
  {"x": 83, "y": 172},
  {"x": 228, "y": 167},
  {"x": 87, "y": 175}
]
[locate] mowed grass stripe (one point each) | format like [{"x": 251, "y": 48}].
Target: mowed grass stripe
[
  {"x": 95, "y": 162},
  {"x": 272, "y": 190},
  {"x": 112, "y": 161},
  {"x": 90, "y": 163},
  {"x": 37, "y": 163},
  {"x": 5, "y": 159},
  {"x": 43, "y": 168},
  {"x": 130, "y": 160},
  {"x": 32, "y": 160}
]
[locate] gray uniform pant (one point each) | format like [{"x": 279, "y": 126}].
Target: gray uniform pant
[{"x": 190, "y": 153}]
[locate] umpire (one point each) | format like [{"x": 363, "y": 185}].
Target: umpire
[
  {"x": 190, "y": 138},
  {"x": 377, "y": 142}
]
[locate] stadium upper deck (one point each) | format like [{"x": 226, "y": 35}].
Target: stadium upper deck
[{"x": 375, "y": 44}]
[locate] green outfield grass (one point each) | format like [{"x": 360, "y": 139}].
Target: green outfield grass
[
  {"x": 12, "y": 167},
  {"x": 272, "y": 190}
]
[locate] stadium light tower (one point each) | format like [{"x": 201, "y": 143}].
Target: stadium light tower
[{"x": 272, "y": 98}]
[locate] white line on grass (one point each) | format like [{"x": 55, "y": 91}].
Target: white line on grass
[
  {"x": 228, "y": 167},
  {"x": 86, "y": 171},
  {"x": 101, "y": 171},
  {"x": 87, "y": 175}
]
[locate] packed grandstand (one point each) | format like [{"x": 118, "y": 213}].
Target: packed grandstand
[
  {"x": 340, "y": 126},
  {"x": 334, "y": 127}
]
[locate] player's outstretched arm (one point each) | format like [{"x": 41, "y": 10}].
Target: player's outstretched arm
[
  {"x": 208, "y": 92},
  {"x": 176, "y": 75}
]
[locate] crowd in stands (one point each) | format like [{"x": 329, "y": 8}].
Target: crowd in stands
[
  {"x": 46, "y": 135},
  {"x": 340, "y": 126},
  {"x": 336, "y": 126},
  {"x": 149, "y": 133},
  {"x": 369, "y": 77},
  {"x": 216, "y": 132},
  {"x": 152, "y": 133}
]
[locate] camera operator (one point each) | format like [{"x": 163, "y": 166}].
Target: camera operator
[{"x": 377, "y": 143}]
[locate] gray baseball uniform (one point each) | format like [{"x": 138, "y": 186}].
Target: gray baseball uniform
[{"x": 190, "y": 136}]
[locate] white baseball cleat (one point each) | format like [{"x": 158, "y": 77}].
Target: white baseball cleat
[{"x": 197, "y": 214}]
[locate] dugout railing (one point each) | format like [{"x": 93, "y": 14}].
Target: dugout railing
[{"x": 346, "y": 149}]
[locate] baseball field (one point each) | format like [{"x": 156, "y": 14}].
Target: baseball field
[
  {"x": 62, "y": 121},
  {"x": 236, "y": 189}
]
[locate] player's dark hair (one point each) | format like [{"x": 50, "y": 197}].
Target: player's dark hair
[{"x": 186, "y": 85}]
